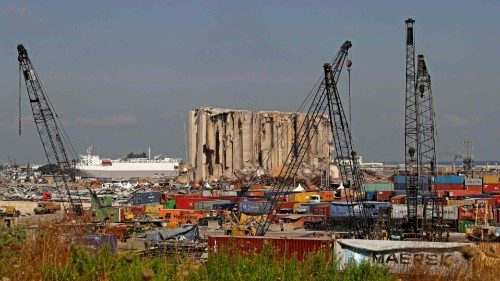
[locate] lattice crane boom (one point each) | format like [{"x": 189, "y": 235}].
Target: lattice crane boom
[{"x": 46, "y": 123}]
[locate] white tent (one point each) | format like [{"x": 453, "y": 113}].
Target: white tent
[
  {"x": 341, "y": 186},
  {"x": 299, "y": 188},
  {"x": 207, "y": 186}
]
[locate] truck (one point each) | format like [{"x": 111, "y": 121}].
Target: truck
[
  {"x": 9, "y": 211},
  {"x": 47, "y": 208}
]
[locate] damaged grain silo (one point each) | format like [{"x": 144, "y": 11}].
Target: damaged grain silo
[{"x": 227, "y": 143}]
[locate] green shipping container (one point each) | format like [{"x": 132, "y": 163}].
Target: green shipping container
[
  {"x": 101, "y": 202},
  {"x": 205, "y": 205},
  {"x": 463, "y": 224},
  {"x": 111, "y": 214},
  {"x": 379, "y": 187},
  {"x": 170, "y": 204}
]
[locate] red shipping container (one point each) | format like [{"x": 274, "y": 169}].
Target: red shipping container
[
  {"x": 446, "y": 186},
  {"x": 384, "y": 196},
  {"x": 398, "y": 199},
  {"x": 284, "y": 247},
  {"x": 456, "y": 193},
  {"x": 441, "y": 193},
  {"x": 474, "y": 187},
  {"x": 321, "y": 209},
  {"x": 469, "y": 212},
  {"x": 287, "y": 205},
  {"x": 492, "y": 187}
]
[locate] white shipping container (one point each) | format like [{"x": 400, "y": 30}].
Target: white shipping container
[
  {"x": 449, "y": 212},
  {"x": 473, "y": 181},
  {"x": 400, "y": 211}
]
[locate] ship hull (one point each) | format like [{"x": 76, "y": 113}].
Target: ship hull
[{"x": 127, "y": 174}]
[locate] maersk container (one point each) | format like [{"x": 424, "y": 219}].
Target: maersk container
[
  {"x": 473, "y": 181},
  {"x": 254, "y": 207},
  {"x": 449, "y": 179},
  {"x": 146, "y": 198}
]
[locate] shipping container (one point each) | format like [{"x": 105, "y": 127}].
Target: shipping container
[
  {"x": 284, "y": 247},
  {"x": 188, "y": 202},
  {"x": 98, "y": 241},
  {"x": 448, "y": 186},
  {"x": 491, "y": 187},
  {"x": 374, "y": 209},
  {"x": 398, "y": 199},
  {"x": 459, "y": 193},
  {"x": 303, "y": 197},
  {"x": 206, "y": 205},
  {"x": 449, "y": 179},
  {"x": 344, "y": 210},
  {"x": 474, "y": 187},
  {"x": 384, "y": 196},
  {"x": 491, "y": 179},
  {"x": 181, "y": 216},
  {"x": 153, "y": 209},
  {"x": 473, "y": 181},
  {"x": 400, "y": 186},
  {"x": 327, "y": 195},
  {"x": 254, "y": 207},
  {"x": 400, "y": 211},
  {"x": 470, "y": 212},
  {"x": 170, "y": 204},
  {"x": 460, "y": 202},
  {"x": 371, "y": 196},
  {"x": 321, "y": 209},
  {"x": 146, "y": 198},
  {"x": 379, "y": 186}
]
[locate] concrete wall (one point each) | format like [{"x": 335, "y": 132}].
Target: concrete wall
[{"x": 232, "y": 143}]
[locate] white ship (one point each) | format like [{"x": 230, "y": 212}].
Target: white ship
[{"x": 93, "y": 166}]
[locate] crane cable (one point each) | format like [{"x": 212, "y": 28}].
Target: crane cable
[{"x": 19, "y": 103}]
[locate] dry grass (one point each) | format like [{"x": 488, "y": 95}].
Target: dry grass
[{"x": 46, "y": 254}]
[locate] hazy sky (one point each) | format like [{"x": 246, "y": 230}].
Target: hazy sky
[{"x": 123, "y": 74}]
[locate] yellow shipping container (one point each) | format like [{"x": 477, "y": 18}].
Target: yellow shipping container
[
  {"x": 454, "y": 202},
  {"x": 302, "y": 197},
  {"x": 296, "y": 207},
  {"x": 491, "y": 179},
  {"x": 153, "y": 209}
]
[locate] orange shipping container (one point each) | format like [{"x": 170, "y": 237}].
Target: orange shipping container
[
  {"x": 181, "y": 215},
  {"x": 474, "y": 187},
  {"x": 327, "y": 196}
]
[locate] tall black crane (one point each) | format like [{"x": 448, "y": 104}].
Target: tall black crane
[
  {"x": 47, "y": 125},
  {"x": 325, "y": 102},
  {"x": 420, "y": 147},
  {"x": 411, "y": 135}
]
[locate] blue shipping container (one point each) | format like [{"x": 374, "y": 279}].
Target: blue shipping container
[
  {"x": 97, "y": 242},
  {"x": 370, "y": 195},
  {"x": 146, "y": 198},
  {"x": 449, "y": 179},
  {"x": 254, "y": 207},
  {"x": 344, "y": 210},
  {"x": 400, "y": 186}
]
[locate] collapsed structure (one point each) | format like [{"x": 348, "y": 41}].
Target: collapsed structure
[{"x": 228, "y": 143}]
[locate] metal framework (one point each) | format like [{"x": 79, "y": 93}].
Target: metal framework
[
  {"x": 46, "y": 124},
  {"x": 468, "y": 158},
  {"x": 420, "y": 147},
  {"x": 325, "y": 101},
  {"x": 411, "y": 135}
]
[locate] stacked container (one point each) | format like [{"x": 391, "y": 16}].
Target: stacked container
[
  {"x": 475, "y": 184},
  {"x": 449, "y": 183},
  {"x": 491, "y": 183}
]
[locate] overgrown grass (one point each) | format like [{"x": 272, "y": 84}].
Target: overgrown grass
[{"x": 48, "y": 255}]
